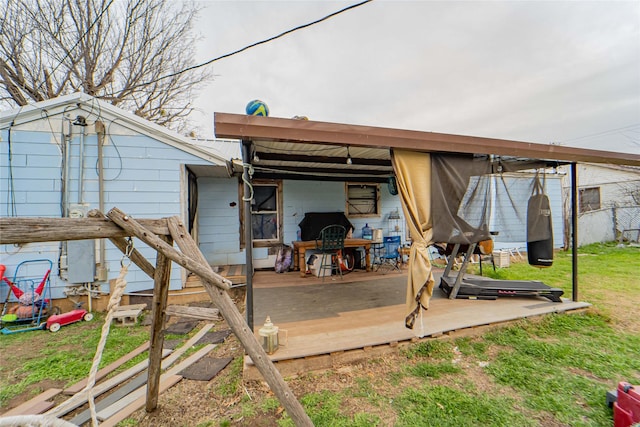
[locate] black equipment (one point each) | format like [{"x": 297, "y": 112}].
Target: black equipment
[
  {"x": 539, "y": 228},
  {"x": 483, "y": 288}
]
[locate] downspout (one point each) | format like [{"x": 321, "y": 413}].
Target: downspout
[
  {"x": 574, "y": 231},
  {"x": 67, "y": 160},
  {"x": 248, "y": 235},
  {"x": 81, "y": 168},
  {"x": 100, "y": 131}
]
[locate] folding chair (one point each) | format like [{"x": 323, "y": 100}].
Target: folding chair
[{"x": 390, "y": 257}]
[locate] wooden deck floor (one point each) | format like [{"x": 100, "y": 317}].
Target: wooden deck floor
[{"x": 335, "y": 320}]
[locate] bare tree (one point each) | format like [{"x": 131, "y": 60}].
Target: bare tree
[{"x": 120, "y": 51}]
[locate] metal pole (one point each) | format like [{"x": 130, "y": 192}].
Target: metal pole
[
  {"x": 248, "y": 235},
  {"x": 574, "y": 231}
]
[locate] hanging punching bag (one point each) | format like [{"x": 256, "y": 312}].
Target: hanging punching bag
[{"x": 539, "y": 228}]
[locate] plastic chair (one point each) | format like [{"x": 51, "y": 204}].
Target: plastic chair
[
  {"x": 329, "y": 242},
  {"x": 390, "y": 257}
]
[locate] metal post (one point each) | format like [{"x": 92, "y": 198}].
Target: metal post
[
  {"x": 248, "y": 235},
  {"x": 574, "y": 231}
]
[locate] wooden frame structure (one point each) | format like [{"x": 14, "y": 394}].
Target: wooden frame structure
[{"x": 159, "y": 235}]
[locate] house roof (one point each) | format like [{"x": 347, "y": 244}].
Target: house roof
[
  {"x": 304, "y": 149},
  {"x": 96, "y": 109}
]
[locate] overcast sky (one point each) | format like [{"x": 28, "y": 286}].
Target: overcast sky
[{"x": 547, "y": 72}]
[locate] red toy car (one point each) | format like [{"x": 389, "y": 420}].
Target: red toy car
[{"x": 58, "y": 320}]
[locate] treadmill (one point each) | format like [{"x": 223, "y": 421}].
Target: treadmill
[{"x": 462, "y": 287}]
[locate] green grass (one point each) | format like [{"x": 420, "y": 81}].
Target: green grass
[
  {"x": 448, "y": 406},
  {"x": 65, "y": 356},
  {"x": 554, "y": 370},
  {"x": 565, "y": 364},
  {"x": 325, "y": 409},
  {"x": 230, "y": 381}
]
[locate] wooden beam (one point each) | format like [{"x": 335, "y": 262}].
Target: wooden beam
[
  {"x": 288, "y": 157},
  {"x": 241, "y": 126},
  {"x": 241, "y": 330},
  {"x": 161, "y": 282},
  {"x": 137, "y": 229},
  {"x": 31, "y": 230},
  {"x": 135, "y": 256},
  {"x": 200, "y": 313}
]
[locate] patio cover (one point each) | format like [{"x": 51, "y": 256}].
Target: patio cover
[{"x": 306, "y": 149}]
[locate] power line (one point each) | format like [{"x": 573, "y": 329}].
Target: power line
[
  {"x": 606, "y": 132},
  {"x": 300, "y": 27},
  {"x": 95, "y": 21}
]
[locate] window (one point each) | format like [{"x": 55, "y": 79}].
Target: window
[
  {"x": 363, "y": 199},
  {"x": 266, "y": 213},
  {"x": 589, "y": 199}
]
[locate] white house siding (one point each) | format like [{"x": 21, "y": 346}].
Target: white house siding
[
  {"x": 142, "y": 178},
  {"x": 617, "y": 184},
  {"x": 595, "y": 226},
  {"x": 619, "y": 196}
]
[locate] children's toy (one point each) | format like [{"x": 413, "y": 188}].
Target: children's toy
[
  {"x": 257, "y": 108},
  {"x": 626, "y": 408},
  {"x": 55, "y": 322},
  {"x": 32, "y": 297}
]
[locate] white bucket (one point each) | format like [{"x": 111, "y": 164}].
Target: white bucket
[{"x": 377, "y": 234}]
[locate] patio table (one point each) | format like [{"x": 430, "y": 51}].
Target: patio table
[{"x": 300, "y": 248}]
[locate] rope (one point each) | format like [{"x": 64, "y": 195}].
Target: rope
[
  {"x": 249, "y": 170},
  {"x": 114, "y": 303}
]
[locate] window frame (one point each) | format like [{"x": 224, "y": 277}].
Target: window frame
[
  {"x": 350, "y": 208},
  {"x": 263, "y": 243},
  {"x": 588, "y": 205}
]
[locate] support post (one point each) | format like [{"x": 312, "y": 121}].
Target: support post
[
  {"x": 247, "y": 195},
  {"x": 574, "y": 231},
  {"x": 161, "y": 282}
]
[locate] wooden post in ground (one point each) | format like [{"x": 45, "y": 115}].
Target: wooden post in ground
[
  {"x": 224, "y": 303},
  {"x": 161, "y": 282},
  {"x": 241, "y": 329}
]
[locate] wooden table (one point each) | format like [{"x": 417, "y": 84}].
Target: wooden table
[{"x": 300, "y": 248}]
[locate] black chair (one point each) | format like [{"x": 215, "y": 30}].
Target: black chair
[{"x": 328, "y": 243}]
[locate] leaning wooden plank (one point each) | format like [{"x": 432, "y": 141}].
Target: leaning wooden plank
[
  {"x": 107, "y": 369},
  {"x": 141, "y": 392},
  {"x": 165, "y": 384},
  {"x": 80, "y": 398},
  {"x": 200, "y": 313},
  {"x": 190, "y": 343},
  {"x": 240, "y": 328},
  {"x": 132, "y": 307},
  {"x": 34, "y": 406},
  {"x": 110, "y": 399}
]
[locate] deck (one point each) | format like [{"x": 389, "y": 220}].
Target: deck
[{"x": 326, "y": 323}]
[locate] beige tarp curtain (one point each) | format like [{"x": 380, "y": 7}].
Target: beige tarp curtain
[{"x": 413, "y": 175}]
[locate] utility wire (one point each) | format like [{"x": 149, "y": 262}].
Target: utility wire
[
  {"x": 95, "y": 21},
  {"x": 300, "y": 27},
  {"x": 606, "y": 132}
]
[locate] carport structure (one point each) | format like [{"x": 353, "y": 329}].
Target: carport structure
[{"x": 311, "y": 150}]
